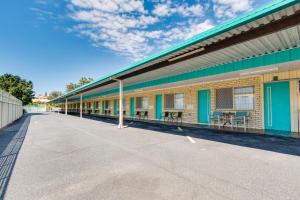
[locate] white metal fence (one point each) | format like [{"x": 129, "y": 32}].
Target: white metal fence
[{"x": 10, "y": 108}]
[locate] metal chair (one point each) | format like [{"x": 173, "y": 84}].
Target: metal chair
[
  {"x": 216, "y": 116},
  {"x": 166, "y": 115},
  {"x": 176, "y": 116},
  {"x": 241, "y": 117},
  {"x": 145, "y": 115},
  {"x": 138, "y": 115}
]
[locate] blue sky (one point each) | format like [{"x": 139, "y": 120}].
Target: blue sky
[{"x": 54, "y": 42}]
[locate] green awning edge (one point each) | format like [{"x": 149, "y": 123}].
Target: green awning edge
[{"x": 288, "y": 55}]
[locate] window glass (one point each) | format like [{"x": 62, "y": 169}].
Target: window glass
[
  {"x": 244, "y": 98},
  {"x": 106, "y": 104},
  {"x": 179, "y": 101},
  {"x": 145, "y": 103},
  {"x": 169, "y": 101},
  {"x": 224, "y": 98},
  {"x": 174, "y": 101},
  {"x": 124, "y": 104},
  {"x": 142, "y": 102}
]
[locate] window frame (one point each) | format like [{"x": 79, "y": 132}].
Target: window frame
[
  {"x": 174, "y": 101},
  {"x": 107, "y": 106},
  {"x": 232, "y": 89},
  {"x": 233, "y": 99},
  {"x": 142, "y": 103},
  {"x": 253, "y": 96}
]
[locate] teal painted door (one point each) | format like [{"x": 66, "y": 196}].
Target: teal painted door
[
  {"x": 132, "y": 107},
  {"x": 115, "y": 107},
  {"x": 103, "y": 107},
  {"x": 94, "y": 107},
  {"x": 203, "y": 106},
  {"x": 277, "y": 106},
  {"x": 158, "y": 106}
]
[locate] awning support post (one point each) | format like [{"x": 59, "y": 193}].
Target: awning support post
[
  {"x": 80, "y": 106},
  {"x": 120, "y": 103},
  {"x": 66, "y": 107}
]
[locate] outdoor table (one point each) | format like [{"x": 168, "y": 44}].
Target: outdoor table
[
  {"x": 171, "y": 116},
  {"x": 227, "y": 117}
]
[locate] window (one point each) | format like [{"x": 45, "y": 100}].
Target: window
[
  {"x": 106, "y": 104},
  {"x": 224, "y": 98},
  {"x": 124, "y": 103},
  {"x": 142, "y": 102},
  {"x": 97, "y": 105},
  {"x": 174, "y": 101},
  {"x": 244, "y": 98},
  {"x": 169, "y": 101}
]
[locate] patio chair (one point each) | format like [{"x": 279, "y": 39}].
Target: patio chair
[
  {"x": 177, "y": 116},
  {"x": 216, "y": 116},
  {"x": 241, "y": 117},
  {"x": 138, "y": 115},
  {"x": 107, "y": 112},
  {"x": 166, "y": 116},
  {"x": 145, "y": 115}
]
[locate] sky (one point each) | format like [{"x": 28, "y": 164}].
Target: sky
[{"x": 55, "y": 42}]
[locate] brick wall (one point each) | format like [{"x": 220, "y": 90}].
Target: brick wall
[{"x": 190, "y": 111}]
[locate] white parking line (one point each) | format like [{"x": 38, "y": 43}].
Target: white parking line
[{"x": 190, "y": 139}]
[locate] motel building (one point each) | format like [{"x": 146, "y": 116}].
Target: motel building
[{"x": 241, "y": 75}]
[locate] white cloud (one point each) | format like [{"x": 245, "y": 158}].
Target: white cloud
[
  {"x": 110, "y": 5},
  {"x": 128, "y": 28},
  {"x": 162, "y": 10},
  {"x": 182, "y": 33},
  {"x": 230, "y": 8},
  {"x": 167, "y": 9}
]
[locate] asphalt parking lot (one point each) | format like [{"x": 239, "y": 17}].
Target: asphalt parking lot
[{"x": 51, "y": 156}]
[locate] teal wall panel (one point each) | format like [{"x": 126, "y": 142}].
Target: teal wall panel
[
  {"x": 204, "y": 106},
  {"x": 103, "y": 107},
  {"x": 158, "y": 106},
  {"x": 277, "y": 106},
  {"x": 115, "y": 106},
  {"x": 132, "y": 107}
]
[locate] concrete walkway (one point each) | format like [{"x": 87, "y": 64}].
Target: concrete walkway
[{"x": 63, "y": 157}]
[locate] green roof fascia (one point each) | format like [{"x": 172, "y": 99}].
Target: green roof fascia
[
  {"x": 265, "y": 60},
  {"x": 253, "y": 15}
]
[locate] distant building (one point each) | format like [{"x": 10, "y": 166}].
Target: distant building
[{"x": 41, "y": 99}]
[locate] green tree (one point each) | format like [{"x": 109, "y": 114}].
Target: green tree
[
  {"x": 54, "y": 94},
  {"x": 82, "y": 81},
  {"x": 71, "y": 86},
  {"x": 18, "y": 87}
]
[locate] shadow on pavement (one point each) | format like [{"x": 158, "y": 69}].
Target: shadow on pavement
[
  {"x": 279, "y": 144},
  {"x": 11, "y": 140}
]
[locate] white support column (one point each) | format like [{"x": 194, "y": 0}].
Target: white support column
[
  {"x": 120, "y": 104},
  {"x": 66, "y": 107},
  {"x": 80, "y": 105}
]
